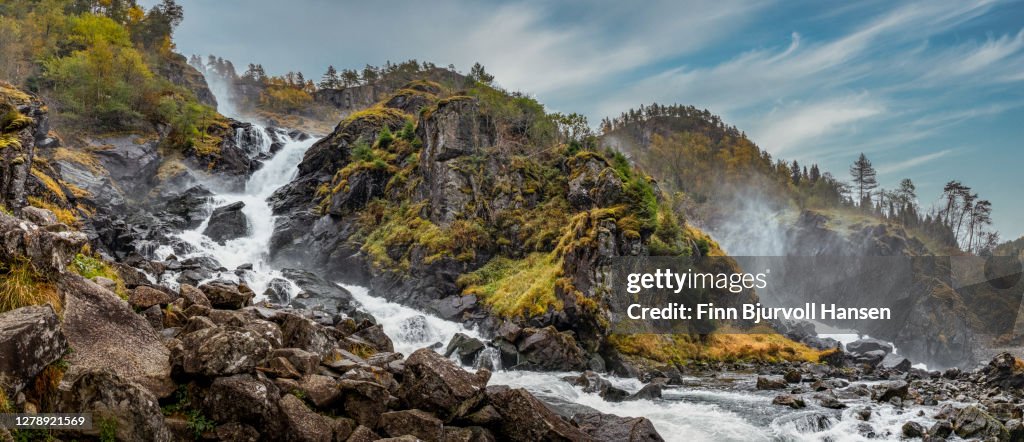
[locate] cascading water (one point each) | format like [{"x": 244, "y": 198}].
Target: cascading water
[{"x": 252, "y": 248}]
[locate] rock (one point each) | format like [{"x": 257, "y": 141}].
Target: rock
[
  {"x": 304, "y": 425},
  {"x": 941, "y": 429},
  {"x": 107, "y": 334},
  {"x": 972, "y": 422},
  {"x": 470, "y": 434},
  {"x": 793, "y": 376},
  {"x": 593, "y": 383},
  {"x": 610, "y": 428},
  {"x": 116, "y": 402},
  {"x": 321, "y": 390},
  {"x": 30, "y": 339},
  {"x": 421, "y": 424},
  {"x": 279, "y": 367},
  {"x": 894, "y": 362},
  {"x": 244, "y": 399},
  {"x": 303, "y": 361},
  {"x": 771, "y": 383},
  {"x": 375, "y": 335},
  {"x": 278, "y": 291},
  {"x": 912, "y": 430},
  {"x": 526, "y": 419},
  {"x": 437, "y": 385},
  {"x": 220, "y": 351},
  {"x": 227, "y": 296},
  {"x": 363, "y": 434},
  {"x": 592, "y": 183},
  {"x": 106, "y": 283},
  {"x": 268, "y": 330},
  {"x": 236, "y": 432},
  {"x": 871, "y": 358},
  {"x": 830, "y": 401},
  {"x": 1016, "y": 430},
  {"x": 549, "y": 349},
  {"x": 194, "y": 296},
  {"x": 648, "y": 392},
  {"x": 227, "y": 223},
  {"x": 143, "y": 297},
  {"x": 40, "y": 217},
  {"x": 465, "y": 347},
  {"x": 363, "y": 401},
  {"x": 315, "y": 292},
  {"x": 1001, "y": 372},
  {"x": 188, "y": 209},
  {"x": 299, "y": 332},
  {"x": 789, "y": 400},
  {"x": 862, "y": 346},
  {"x": 895, "y": 389}
]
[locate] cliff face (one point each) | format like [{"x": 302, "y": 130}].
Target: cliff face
[{"x": 23, "y": 124}]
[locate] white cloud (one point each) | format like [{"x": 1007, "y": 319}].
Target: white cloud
[
  {"x": 912, "y": 162},
  {"x": 795, "y": 126}
]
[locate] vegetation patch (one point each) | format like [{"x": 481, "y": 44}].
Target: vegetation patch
[
  {"x": 21, "y": 285},
  {"x": 90, "y": 267},
  {"x": 395, "y": 231},
  {"x": 685, "y": 349},
  {"x": 64, "y": 216},
  {"x": 516, "y": 287}
]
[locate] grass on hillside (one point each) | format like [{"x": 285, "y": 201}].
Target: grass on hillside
[
  {"x": 767, "y": 347},
  {"x": 21, "y": 285}
]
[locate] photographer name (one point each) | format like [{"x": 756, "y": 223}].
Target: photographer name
[{"x": 755, "y": 312}]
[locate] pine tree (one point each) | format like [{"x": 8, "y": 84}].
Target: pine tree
[
  {"x": 479, "y": 73},
  {"x": 330, "y": 79},
  {"x": 864, "y": 178}
]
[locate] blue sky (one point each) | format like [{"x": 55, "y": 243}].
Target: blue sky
[{"x": 930, "y": 91}]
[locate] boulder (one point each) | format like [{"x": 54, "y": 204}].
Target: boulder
[
  {"x": 524, "y": 418},
  {"x": 30, "y": 339},
  {"x": 244, "y": 399},
  {"x": 227, "y": 223},
  {"x": 1001, "y": 372},
  {"x": 610, "y": 428},
  {"x": 40, "y": 217},
  {"x": 912, "y": 430},
  {"x": 793, "y": 376},
  {"x": 549, "y": 349},
  {"x": 115, "y": 402},
  {"x": 789, "y": 400},
  {"x": 143, "y": 297},
  {"x": 220, "y": 351},
  {"x": 895, "y": 362},
  {"x": 194, "y": 296},
  {"x": 306, "y": 334},
  {"x": 317, "y": 293},
  {"x": 771, "y": 383},
  {"x": 648, "y": 392},
  {"x": 419, "y": 423},
  {"x": 862, "y": 346},
  {"x": 363, "y": 401},
  {"x": 227, "y": 296},
  {"x": 591, "y": 382},
  {"x": 891, "y": 390},
  {"x": 107, "y": 334},
  {"x": 437, "y": 385},
  {"x": 465, "y": 347},
  {"x": 278, "y": 291},
  {"x": 973, "y": 422},
  {"x": 302, "y": 424},
  {"x": 375, "y": 335}
]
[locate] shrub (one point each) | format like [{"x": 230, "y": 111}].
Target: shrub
[{"x": 90, "y": 267}]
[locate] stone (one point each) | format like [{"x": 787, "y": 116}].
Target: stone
[
  {"x": 419, "y": 423},
  {"x": 131, "y": 409},
  {"x": 862, "y": 346},
  {"x": 278, "y": 291},
  {"x": 143, "y": 297},
  {"x": 549, "y": 349},
  {"x": 375, "y": 335},
  {"x": 895, "y": 362},
  {"x": 194, "y": 296},
  {"x": 593, "y": 383},
  {"x": 973, "y": 422},
  {"x": 465, "y": 347},
  {"x": 302, "y": 424},
  {"x": 107, "y": 334},
  {"x": 771, "y": 383},
  {"x": 30, "y": 339},
  {"x": 437, "y": 385},
  {"x": 220, "y": 351},
  {"x": 244, "y": 399},
  {"x": 39, "y": 216},
  {"x": 227, "y": 223},
  {"x": 789, "y": 400},
  {"x": 322, "y": 391},
  {"x": 793, "y": 376},
  {"x": 363, "y": 401},
  {"x": 227, "y": 296},
  {"x": 912, "y": 430},
  {"x": 610, "y": 428},
  {"x": 527, "y": 419},
  {"x": 895, "y": 389}
]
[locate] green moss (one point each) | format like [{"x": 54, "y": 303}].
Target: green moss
[
  {"x": 516, "y": 287},
  {"x": 392, "y": 233},
  {"x": 90, "y": 267}
]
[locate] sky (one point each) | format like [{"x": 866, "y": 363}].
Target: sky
[{"x": 930, "y": 90}]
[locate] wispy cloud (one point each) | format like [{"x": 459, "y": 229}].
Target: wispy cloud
[
  {"x": 795, "y": 126},
  {"x": 912, "y": 162}
]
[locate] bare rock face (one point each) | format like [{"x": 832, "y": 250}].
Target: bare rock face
[
  {"x": 50, "y": 252},
  {"x": 435, "y": 384},
  {"x": 592, "y": 183},
  {"x": 107, "y": 334},
  {"x": 23, "y": 123},
  {"x": 30, "y": 339},
  {"x": 116, "y": 402}
]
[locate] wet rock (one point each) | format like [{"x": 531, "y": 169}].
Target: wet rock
[
  {"x": 549, "y": 349},
  {"x": 107, "y": 334},
  {"x": 227, "y": 296},
  {"x": 278, "y": 291},
  {"x": 830, "y": 401},
  {"x": 593, "y": 383},
  {"x": 128, "y": 407},
  {"x": 1015, "y": 428},
  {"x": 941, "y": 429},
  {"x": 526, "y": 419},
  {"x": 894, "y": 362},
  {"x": 437, "y": 385},
  {"x": 227, "y": 223},
  {"x": 1001, "y": 371},
  {"x": 316, "y": 293},
  {"x": 771, "y": 383},
  {"x": 972, "y": 422},
  {"x": 304, "y": 425},
  {"x": 793, "y": 376},
  {"x": 143, "y": 297},
  {"x": 421, "y": 424},
  {"x": 870, "y": 358},
  {"x": 189, "y": 209},
  {"x": 30, "y": 339},
  {"x": 465, "y": 347},
  {"x": 863, "y": 346},
  {"x": 789, "y": 400},
  {"x": 648, "y": 392},
  {"x": 897, "y": 389},
  {"x": 220, "y": 351},
  {"x": 912, "y": 430},
  {"x": 610, "y": 428}
]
